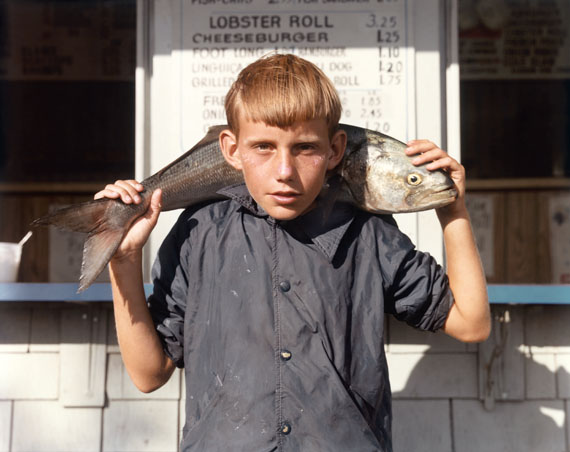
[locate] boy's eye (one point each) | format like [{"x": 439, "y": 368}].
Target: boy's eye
[
  {"x": 262, "y": 147},
  {"x": 306, "y": 147}
]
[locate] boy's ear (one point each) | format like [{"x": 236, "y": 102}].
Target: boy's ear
[
  {"x": 229, "y": 147},
  {"x": 338, "y": 146}
]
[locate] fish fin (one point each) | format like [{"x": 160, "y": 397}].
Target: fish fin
[
  {"x": 97, "y": 252},
  {"x": 82, "y": 217},
  {"x": 104, "y": 237}
]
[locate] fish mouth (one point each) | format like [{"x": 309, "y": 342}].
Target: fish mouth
[{"x": 435, "y": 199}]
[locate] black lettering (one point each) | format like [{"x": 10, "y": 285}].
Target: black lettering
[{"x": 308, "y": 21}]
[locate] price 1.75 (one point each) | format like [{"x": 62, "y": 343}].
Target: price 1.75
[{"x": 389, "y": 79}]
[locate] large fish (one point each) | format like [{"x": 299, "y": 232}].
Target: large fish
[{"x": 375, "y": 175}]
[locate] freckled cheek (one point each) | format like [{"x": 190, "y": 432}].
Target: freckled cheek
[
  {"x": 318, "y": 160},
  {"x": 255, "y": 168},
  {"x": 250, "y": 163}
]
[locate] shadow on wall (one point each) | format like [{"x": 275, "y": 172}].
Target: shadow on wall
[
  {"x": 24, "y": 325},
  {"x": 507, "y": 394}
]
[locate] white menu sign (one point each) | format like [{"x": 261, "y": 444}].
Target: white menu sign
[{"x": 364, "y": 46}]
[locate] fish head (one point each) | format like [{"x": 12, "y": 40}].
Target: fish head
[{"x": 382, "y": 179}]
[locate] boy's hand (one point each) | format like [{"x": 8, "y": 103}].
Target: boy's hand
[
  {"x": 426, "y": 152},
  {"x": 128, "y": 191}
]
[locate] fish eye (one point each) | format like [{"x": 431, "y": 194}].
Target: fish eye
[{"x": 414, "y": 179}]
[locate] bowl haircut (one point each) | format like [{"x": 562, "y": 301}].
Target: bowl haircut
[{"x": 280, "y": 90}]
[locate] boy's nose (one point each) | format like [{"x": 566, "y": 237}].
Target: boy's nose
[{"x": 285, "y": 167}]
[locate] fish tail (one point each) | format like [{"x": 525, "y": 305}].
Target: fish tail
[
  {"x": 104, "y": 236},
  {"x": 82, "y": 217},
  {"x": 97, "y": 252}
]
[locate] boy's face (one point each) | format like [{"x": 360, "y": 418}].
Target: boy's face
[{"x": 284, "y": 169}]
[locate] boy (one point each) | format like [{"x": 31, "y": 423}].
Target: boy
[{"x": 276, "y": 317}]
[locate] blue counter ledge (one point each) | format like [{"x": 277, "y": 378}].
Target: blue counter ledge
[
  {"x": 529, "y": 293},
  {"x": 97, "y": 292},
  {"x": 101, "y": 292}
]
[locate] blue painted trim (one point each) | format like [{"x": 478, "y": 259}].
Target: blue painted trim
[
  {"x": 101, "y": 292},
  {"x": 529, "y": 293},
  {"x": 67, "y": 292}
]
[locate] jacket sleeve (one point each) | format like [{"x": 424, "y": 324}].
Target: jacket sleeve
[
  {"x": 416, "y": 287},
  {"x": 167, "y": 303},
  {"x": 420, "y": 294}
]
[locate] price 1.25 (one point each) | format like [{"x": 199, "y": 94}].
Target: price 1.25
[{"x": 388, "y": 36}]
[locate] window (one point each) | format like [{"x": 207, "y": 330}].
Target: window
[{"x": 67, "y": 90}]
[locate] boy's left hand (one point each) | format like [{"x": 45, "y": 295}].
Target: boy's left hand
[{"x": 426, "y": 152}]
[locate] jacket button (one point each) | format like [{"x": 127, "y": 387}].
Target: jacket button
[
  {"x": 285, "y": 428},
  {"x": 286, "y": 355},
  {"x": 284, "y": 286}
]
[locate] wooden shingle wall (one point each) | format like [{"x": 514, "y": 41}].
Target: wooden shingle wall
[{"x": 510, "y": 393}]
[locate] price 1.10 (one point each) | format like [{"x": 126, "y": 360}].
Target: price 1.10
[{"x": 388, "y": 51}]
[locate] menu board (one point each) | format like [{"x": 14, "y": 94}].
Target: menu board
[
  {"x": 79, "y": 40},
  {"x": 364, "y": 47},
  {"x": 516, "y": 39}
]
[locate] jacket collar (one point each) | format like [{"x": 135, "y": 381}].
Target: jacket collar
[{"x": 324, "y": 229}]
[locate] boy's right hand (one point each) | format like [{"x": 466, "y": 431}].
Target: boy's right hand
[{"x": 128, "y": 192}]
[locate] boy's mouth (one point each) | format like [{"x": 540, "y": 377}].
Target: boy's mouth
[{"x": 285, "y": 197}]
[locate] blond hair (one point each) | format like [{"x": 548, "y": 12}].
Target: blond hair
[{"x": 280, "y": 90}]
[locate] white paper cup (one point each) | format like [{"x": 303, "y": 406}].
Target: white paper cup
[{"x": 10, "y": 254}]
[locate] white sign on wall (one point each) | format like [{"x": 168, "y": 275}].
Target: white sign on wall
[{"x": 365, "y": 49}]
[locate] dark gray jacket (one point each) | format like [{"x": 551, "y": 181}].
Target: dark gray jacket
[{"x": 280, "y": 325}]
